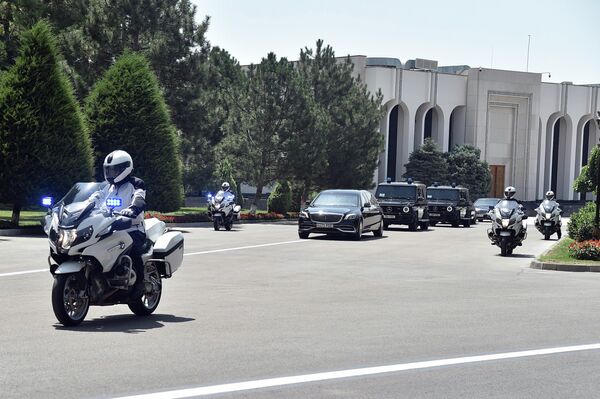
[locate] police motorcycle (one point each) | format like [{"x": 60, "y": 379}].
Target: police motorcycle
[
  {"x": 89, "y": 258},
  {"x": 508, "y": 228},
  {"x": 548, "y": 219},
  {"x": 222, "y": 208}
]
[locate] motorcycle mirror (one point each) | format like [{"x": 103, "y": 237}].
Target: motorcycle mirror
[{"x": 307, "y": 202}]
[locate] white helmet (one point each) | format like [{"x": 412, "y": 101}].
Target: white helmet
[
  {"x": 550, "y": 195},
  {"x": 225, "y": 186},
  {"x": 509, "y": 192},
  {"x": 118, "y": 165}
]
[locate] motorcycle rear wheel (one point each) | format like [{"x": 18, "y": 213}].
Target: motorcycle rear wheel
[
  {"x": 70, "y": 299},
  {"x": 148, "y": 303}
]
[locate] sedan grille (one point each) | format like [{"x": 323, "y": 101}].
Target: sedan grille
[{"x": 326, "y": 217}]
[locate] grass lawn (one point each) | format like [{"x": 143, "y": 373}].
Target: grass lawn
[
  {"x": 560, "y": 254},
  {"x": 28, "y": 218}
]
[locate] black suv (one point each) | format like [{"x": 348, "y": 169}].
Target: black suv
[
  {"x": 450, "y": 204},
  {"x": 403, "y": 203}
]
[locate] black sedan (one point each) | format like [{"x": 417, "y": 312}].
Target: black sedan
[
  {"x": 351, "y": 212},
  {"x": 483, "y": 206}
]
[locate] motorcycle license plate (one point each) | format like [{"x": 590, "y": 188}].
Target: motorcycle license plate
[
  {"x": 434, "y": 214},
  {"x": 217, "y": 214},
  {"x": 547, "y": 223},
  {"x": 505, "y": 233},
  {"x": 389, "y": 216},
  {"x": 324, "y": 225}
]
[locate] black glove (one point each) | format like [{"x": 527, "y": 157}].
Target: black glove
[{"x": 127, "y": 213}]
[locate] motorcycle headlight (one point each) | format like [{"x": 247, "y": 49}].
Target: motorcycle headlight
[
  {"x": 406, "y": 209},
  {"x": 350, "y": 216},
  {"x": 505, "y": 223},
  {"x": 449, "y": 209},
  {"x": 548, "y": 215},
  {"x": 303, "y": 214},
  {"x": 217, "y": 206},
  {"x": 66, "y": 238}
]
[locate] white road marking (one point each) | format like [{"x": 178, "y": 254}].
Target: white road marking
[
  {"x": 246, "y": 247},
  {"x": 188, "y": 254},
  {"x": 24, "y": 272},
  {"x": 334, "y": 375}
]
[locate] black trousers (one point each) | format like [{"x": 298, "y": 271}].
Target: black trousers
[{"x": 139, "y": 239}]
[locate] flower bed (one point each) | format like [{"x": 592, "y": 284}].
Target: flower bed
[{"x": 585, "y": 250}]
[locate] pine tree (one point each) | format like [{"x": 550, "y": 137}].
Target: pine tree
[
  {"x": 349, "y": 130},
  {"x": 270, "y": 111},
  {"x": 466, "y": 168},
  {"x": 427, "y": 164},
  {"x": 280, "y": 200},
  {"x": 44, "y": 147},
  {"x": 126, "y": 111}
]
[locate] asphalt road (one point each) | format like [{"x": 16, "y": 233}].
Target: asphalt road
[{"x": 313, "y": 306}]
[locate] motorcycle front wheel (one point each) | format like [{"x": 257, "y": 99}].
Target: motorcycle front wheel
[
  {"x": 503, "y": 246},
  {"x": 70, "y": 299},
  {"x": 216, "y": 225},
  {"x": 150, "y": 299}
]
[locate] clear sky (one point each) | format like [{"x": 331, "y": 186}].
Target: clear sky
[{"x": 565, "y": 35}]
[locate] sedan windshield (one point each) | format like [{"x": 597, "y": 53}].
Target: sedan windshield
[
  {"x": 396, "y": 192},
  {"x": 336, "y": 199},
  {"x": 442, "y": 194}
]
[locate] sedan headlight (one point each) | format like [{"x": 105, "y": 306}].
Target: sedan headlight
[
  {"x": 66, "y": 238},
  {"x": 303, "y": 214},
  {"x": 449, "y": 209},
  {"x": 350, "y": 216}
]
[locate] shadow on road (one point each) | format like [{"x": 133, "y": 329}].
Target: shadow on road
[
  {"x": 407, "y": 230},
  {"x": 341, "y": 237},
  {"x": 128, "y": 323},
  {"x": 525, "y": 256}
]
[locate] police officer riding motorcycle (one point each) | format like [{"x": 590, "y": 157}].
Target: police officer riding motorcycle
[
  {"x": 508, "y": 229},
  {"x": 548, "y": 220}
]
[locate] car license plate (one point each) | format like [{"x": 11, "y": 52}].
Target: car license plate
[
  {"x": 324, "y": 225},
  {"x": 547, "y": 223},
  {"x": 389, "y": 216},
  {"x": 434, "y": 214}
]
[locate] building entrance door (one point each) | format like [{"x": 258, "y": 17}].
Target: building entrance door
[{"x": 497, "y": 186}]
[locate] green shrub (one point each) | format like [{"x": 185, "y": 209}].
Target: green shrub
[
  {"x": 581, "y": 225},
  {"x": 280, "y": 200}
]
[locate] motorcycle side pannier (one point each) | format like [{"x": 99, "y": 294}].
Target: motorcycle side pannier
[{"x": 169, "y": 247}]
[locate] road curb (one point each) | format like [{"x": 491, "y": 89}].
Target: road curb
[
  {"x": 563, "y": 267},
  {"x": 36, "y": 231}
]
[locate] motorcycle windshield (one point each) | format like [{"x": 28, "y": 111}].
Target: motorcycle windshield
[
  {"x": 507, "y": 208},
  {"x": 223, "y": 196},
  {"x": 72, "y": 204},
  {"x": 81, "y": 192},
  {"x": 548, "y": 206}
]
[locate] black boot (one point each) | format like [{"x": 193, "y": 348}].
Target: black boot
[
  {"x": 559, "y": 233},
  {"x": 138, "y": 286}
]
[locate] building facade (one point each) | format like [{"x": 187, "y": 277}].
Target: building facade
[{"x": 535, "y": 136}]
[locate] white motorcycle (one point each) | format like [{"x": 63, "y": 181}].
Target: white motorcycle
[
  {"x": 223, "y": 210},
  {"x": 548, "y": 219},
  {"x": 89, "y": 258},
  {"x": 508, "y": 228}
]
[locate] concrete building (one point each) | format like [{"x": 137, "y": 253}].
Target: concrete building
[{"x": 535, "y": 135}]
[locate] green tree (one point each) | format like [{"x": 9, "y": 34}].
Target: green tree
[
  {"x": 280, "y": 199},
  {"x": 16, "y": 16},
  {"x": 427, "y": 164},
  {"x": 351, "y": 117},
  {"x": 466, "y": 168},
  {"x": 266, "y": 116},
  {"x": 587, "y": 180},
  {"x": 44, "y": 147},
  {"x": 126, "y": 111}
]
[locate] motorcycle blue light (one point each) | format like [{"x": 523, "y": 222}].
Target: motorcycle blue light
[
  {"x": 47, "y": 201},
  {"x": 114, "y": 202}
]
